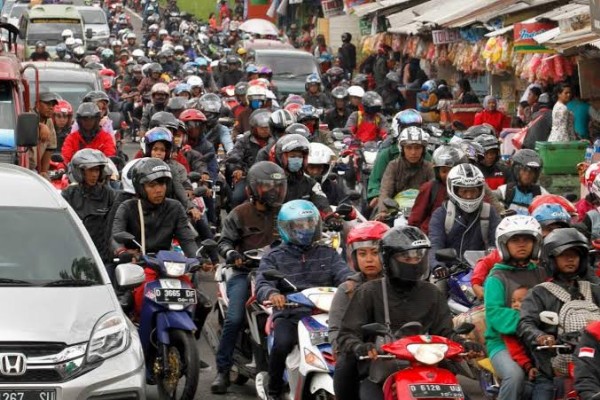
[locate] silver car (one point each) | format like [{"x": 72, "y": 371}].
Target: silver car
[
  {"x": 63, "y": 334},
  {"x": 94, "y": 18}
]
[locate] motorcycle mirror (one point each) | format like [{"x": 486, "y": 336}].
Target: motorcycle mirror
[
  {"x": 208, "y": 245},
  {"x": 57, "y": 157},
  {"x": 353, "y": 195},
  {"x": 129, "y": 275},
  {"x": 549, "y": 318},
  {"x": 508, "y": 213},
  {"x": 200, "y": 191},
  {"x": 411, "y": 329},
  {"x": 391, "y": 204},
  {"x": 374, "y": 329},
  {"x": 273, "y": 275},
  {"x": 472, "y": 256},
  {"x": 464, "y": 328},
  {"x": 123, "y": 237},
  {"x": 446, "y": 255},
  {"x": 195, "y": 176},
  {"x": 344, "y": 209}
]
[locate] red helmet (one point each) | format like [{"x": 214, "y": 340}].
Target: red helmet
[
  {"x": 107, "y": 72},
  {"x": 63, "y": 107},
  {"x": 192, "y": 114},
  {"x": 552, "y": 199},
  {"x": 366, "y": 234},
  {"x": 293, "y": 108}
]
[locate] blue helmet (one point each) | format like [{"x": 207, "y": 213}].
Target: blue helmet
[
  {"x": 299, "y": 223},
  {"x": 158, "y": 134},
  {"x": 429, "y": 86},
  {"x": 201, "y": 61},
  {"x": 549, "y": 214},
  {"x": 181, "y": 88},
  {"x": 251, "y": 69}
]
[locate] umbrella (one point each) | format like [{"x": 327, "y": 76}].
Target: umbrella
[{"x": 259, "y": 26}]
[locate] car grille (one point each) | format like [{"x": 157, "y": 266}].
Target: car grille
[
  {"x": 32, "y": 349},
  {"x": 33, "y": 376}
]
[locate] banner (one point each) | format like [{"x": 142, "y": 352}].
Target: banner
[{"x": 524, "y": 34}]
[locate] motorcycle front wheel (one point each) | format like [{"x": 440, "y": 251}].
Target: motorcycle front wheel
[{"x": 181, "y": 379}]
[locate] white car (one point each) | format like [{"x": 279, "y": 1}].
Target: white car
[{"x": 94, "y": 18}]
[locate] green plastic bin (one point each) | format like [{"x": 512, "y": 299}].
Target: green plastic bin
[{"x": 561, "y": 158}]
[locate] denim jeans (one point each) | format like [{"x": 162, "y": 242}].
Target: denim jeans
[
  {"x": 543, "y": 388},
  {"x": 512, "y": 375},
  {"x": 238, "y": 293}
]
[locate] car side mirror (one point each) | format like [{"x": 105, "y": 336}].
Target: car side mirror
[
  {"x": 89, "y": 33},
  {"x": 129, "y": 275},
  {"x": 28, "y": 125},
  {"x": 446, "y": 255}
]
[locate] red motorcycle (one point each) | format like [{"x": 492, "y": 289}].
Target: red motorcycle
[{"x": 57, "y": 172}]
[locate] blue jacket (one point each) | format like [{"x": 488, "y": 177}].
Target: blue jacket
[
  {"x": 313, "y": 267},
  {"x": 464, "y": 235}
]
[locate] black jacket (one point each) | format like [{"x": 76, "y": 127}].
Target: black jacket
[
  {"x": 302, "y": 187},
  {"x": 347, "y": 55},
  {"x": 149, "y": 111},
  {"x": 539, "y": 129},
  {"x": 243, "y": 154},
  {"x": 530, "y": 327},
  {"x": 229, "y": 78},
  {"x": 587, "y": 363},
  {"x": 333, "y": 119},
  {"x": 320, "y": 100},
  {"x": 162, "y": 223},
  {"x": 334, "y": 191}
]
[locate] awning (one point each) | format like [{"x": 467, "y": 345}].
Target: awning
[
  {"x": 370, "y": 8},
  {"x": 496, "y": 10},
  {"x": 499, "y": 32},
  {"x": 407, "y": 22}
]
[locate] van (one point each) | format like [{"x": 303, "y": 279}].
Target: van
[
  {"x": 64, "y": 335},
  {"x": 94, "y": 18}
]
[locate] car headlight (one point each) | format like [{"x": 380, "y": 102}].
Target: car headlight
[
  {"x": 430, "y": 353},
  {"x": 111, "y": 336},
  {"x": 174, "y": 269}
]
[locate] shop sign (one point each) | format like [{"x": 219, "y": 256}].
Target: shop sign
[
  {"x": 524, "y": 34},
  {"x": 354, "y": 3},
  {"x": 365, "y": 26},
  {"x": 445, "y": 36},
  {"x": 331, "y": 8},
  {"x": 595, "y": 13}
]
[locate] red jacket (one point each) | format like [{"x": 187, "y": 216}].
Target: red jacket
[
  {"x": 484, "y": 266},
  {"x": 583, "y": 206},
  {"x": 74, "y": 142},
  {"x": 495, "y": 118},
  {"x": 422, "y": 210},
  {"x": 517, "y": 352}
]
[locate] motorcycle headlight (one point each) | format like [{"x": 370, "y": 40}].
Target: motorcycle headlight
[
  {"x": 314, "y": 360},
  {"x": 110, "y": 337},
  {"x": 174, "y": 269},
  {"x": 370, "y": 157},
  {"x": 430, "y": 353}
]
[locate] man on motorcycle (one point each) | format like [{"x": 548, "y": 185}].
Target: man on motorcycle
[
  {"x": 309, "y": 117},
  {"x": 496, "y": 173},
  {"x": 216, "y": 133},
  {"x": 102, "y": 101},
  {"x": 267, "y": 153},
  {"x": 368, "y": 123},
  {"x": 320, "y": 162},
  {"x": 249, "y": 226},
  {"x": 40, "y": 53},
  {"x": 404, "y": 254},
  {"x": 355, "y": 95},
  {"x": 240, "y": 95},
  {"x": 363, "y": 246},
  {"x": 160, "y": 97},
  {"x": 390, "y": 93},
  {"x": 305, "y": 264},
  {"x": 154, "y": 71},
  {"x": 313, "y": 95},
  {"x": 256, "y": 97},
  {"x": 233, "y": 74},
  {"x": 62, "y": 119},
  {"x": 89, "y": 134},
  {"x": 337, "y": 116}
]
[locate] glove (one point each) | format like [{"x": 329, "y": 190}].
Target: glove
[
  {"x": 441, "y": 272},
  {"x": 334, "y": 222},
  {"x": 473, "y": 346},
  {"x": 232, "y": 257},
  {"x": 363, "y": 349}
]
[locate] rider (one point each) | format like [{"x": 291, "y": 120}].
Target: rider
[
  {"x": 318, "y": 167},
  {"x": 233, "y": 74},
  {"x": 101, "y": 100},
  {"x": 363, "y": 246},
  {"x": 62, "y": 119},
  {"x": 40, "y": 53},
  {"x": 368, "y": 123},
  {"x": 355, "y": 95},
  {"x": 306, "y": 265},
  {"x": 309, "y": 117},
  {"x": 154, "y": 71},
  {"x": 392, "y": 98},
  {"x": 313, "y": 95},
  {"x": 496, "y": 173},
  {"x": 89, "y": 135},
  {"x": 216, "y": 133},
  {"x": 256, "y": 97},
  {"x": 337, "y": 116},
  {"x": 249, "y": 226},
  {"x": 160, "y": 97}
]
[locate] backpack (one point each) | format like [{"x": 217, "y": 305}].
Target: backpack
[
  {"x": 573, "y": 317},
  {"x": 509, "y": 194},
  {"x": 484, "y": 220}
]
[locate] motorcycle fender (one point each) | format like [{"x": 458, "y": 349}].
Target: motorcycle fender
[
  {"x": 172, "y": 320},
  {"x": 321, "y": 381},
  {"x": 423, "y": 374}
]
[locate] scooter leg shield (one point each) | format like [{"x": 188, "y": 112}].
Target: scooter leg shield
[
  {"x": 321, "y": 381},
  {"x": 172, "y": 320}
]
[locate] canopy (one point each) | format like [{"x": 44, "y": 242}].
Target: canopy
[{"x": 259, "y": 26}]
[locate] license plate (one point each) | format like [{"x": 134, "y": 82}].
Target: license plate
[
  {"x": 425, "y": 391},
  {"x": 317, "y": 338},
  {"x": 26, "y": 394},
  {"x": 173, "y": 296}
]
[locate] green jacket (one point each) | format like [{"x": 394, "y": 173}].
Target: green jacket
[
  {"x": 500, "y": 318},
  {"x": 384, "y": 157}
]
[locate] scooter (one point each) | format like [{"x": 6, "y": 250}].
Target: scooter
[
  {"x": 310, "y": 366},
  {"x": 165, "y": 322}
]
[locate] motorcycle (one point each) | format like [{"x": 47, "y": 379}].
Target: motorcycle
[
  {"x": 400, "y": 207},
  {"x": 57, "y": 172},
  {"x": 165, "y": 322},
  {"x": 309, "y": 368}
]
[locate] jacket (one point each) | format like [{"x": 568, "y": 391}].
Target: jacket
[
  {"x": 347, "y": 55},
  {"x": 530, "y": 327},
  {"x": 464, "y": 235},
  {"x": 146, "y": 84},
  {"x": 147, "y": 113},
  {"x": 339, "y": 305},
  {"x": 496, "y": 175},
  {"x": 425, "y": 205},
  {"x": 520, "y": 199},
  {"x": 220, "y": 134},
  {"x": 162, "y": 223},
  {"x": 500, "y": 318},
  {"x": 242, "y": 123},
  {"x": 74, "y": 142},
  {"x": 333, "y": 191},
  {"x": 400, "y": 175},
  {"x": 229, "y": 78},
  {"x": 205, "y": 158},
  {"x": 484, "y": 266},
  {"x": 496, "y": 119},
  {"x": 303, "y": 187},
  {"x": 538, "y": 130},
  {"x": 194, "y": 159},
  {"x": 422, "y": 303},
  {"x": 318, "y": 101},
  {"x": 244, "y": 152},
  {"x": 365, "y": 127},
  {"x": 587, "y": 363},
  {"x": 518, "y": 352},
  {"x": 305, "y": 268},
  {"x": 384, "y": 157},
  {"x": 120, "y": 198},
  {"x": 333, "y": 119}
]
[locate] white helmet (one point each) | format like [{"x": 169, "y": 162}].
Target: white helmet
[
  {"x": 465, "y": 176},
  {"x": 163, "y": 32},
  {"x": 518, "y": 225},
  {"x": 67, "y": 33},
  {"x": 413, "y": 135},
  {"x": 319, "y": 154},
  {"x": 127, "y": 178},
  {"x": 131, "y": 35},
  {"x": 78, "y": 42},
  {"x": 137, "y": 53},
  {"x": 356, "y": 91},
  {"x": 70, "y": 41},
  {"x": 195, "y": 81},
  {"x": 257, "y": 91}
]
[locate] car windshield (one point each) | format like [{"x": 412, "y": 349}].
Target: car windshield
[
  {"x": 286, "y": 65},
  {"x": 93, "y": 17},
  {"x": 50, "y": 32},
  {"x": 7, "y": 117},
  {"x": 69, "y": 91},
  {"x": 44, "y": 246}
]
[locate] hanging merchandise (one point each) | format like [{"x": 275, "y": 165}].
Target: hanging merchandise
[{"x": 545, "y": 67}]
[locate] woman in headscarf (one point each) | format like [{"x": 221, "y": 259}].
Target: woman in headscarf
[{"x": 491, "y": 116}]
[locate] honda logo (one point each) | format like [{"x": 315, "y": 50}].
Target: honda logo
[{"x": 12, "y": 364}]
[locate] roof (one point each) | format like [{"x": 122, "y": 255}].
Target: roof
[
  {"x": 265, "y": 44},
  {"x": 54, "y": 11},
  {"x": 54, "y": 65},
  {"x": 24, "y": 188},
  {"x": 377, "y": 5},
  {"x": 58, "y": 74},
  {"x": 494, "y": 11},
  {"x": 284, "y": 52},
  {"x": 408, "y": 21}
]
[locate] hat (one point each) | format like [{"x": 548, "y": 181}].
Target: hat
[
  {"x": 544, "y": 98},
  {"x": 49, "y": 97}
]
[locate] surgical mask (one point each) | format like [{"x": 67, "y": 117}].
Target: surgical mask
[
  {"x": 304, "y": 236},
  {"x": 256, "y": 104},
  {"x": 295, "y": 164}
]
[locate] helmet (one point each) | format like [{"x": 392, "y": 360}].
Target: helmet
[
  {"x": 401, "y": 243},
  {"x": 241, "y": 88},
  {"x": 137, "y": 53},
  {"x": 549, "y": 214},
  {"x": 366, "y": 234},
  {"x": 404, "y": 119},
  {"x": 233, "y": 60},
  {"x": 319, "y": 154},
  {"x": 413, "y": 135},
  {"x": 294, "y": 99},
  {"x": 267, "y": 183},
  {"x": 538, "y": 201},
  {"x": 155, "y": 68},
  {"x": 181, "y": 88},
  {"x": 131, "y": 35},
  {"x": 86, "y": 159},
  {"x": 69, "y": 42},
  {"x": 88, "y": 110},
  {"x": 148, "y": 170},
  {"x": 340, "y": 93},
  {"x": 335, "y": 74},
  {"x": 360, "y": 80},
  {"x": 163, "y": 32},
  {"x": 256, "y": 96},
  {"x": 356, "y": 91},
  {"x": 158, "y": 134},
  {"x": 95, "y": 96},
  {"x": 164, "y": 119},
  {"x": 297, "y": 129},
  {"x": 473, "y": 150},
  {"x": 392, "y": 77},
  {"x": 518, "y": 225},
  {"x": 195, "y": 81},
  {"x": 251, "y": 69},
  {"x": 288, "y": 143},
  {"x": 299, "y": 223},
  {"x": 465, "y": 176},
  {"x": 429, "y": 86},
  {"x": 265, "y": 71},
  {"x": 176, "y": 104},
  {"x": 63, "y": 107},
  {"x": 66, "y": 33},
  {"x": 563, "y": 239},
  {"x": 126, "y": 176},
  {"x": 108, "y": 53},
  {"x": 313, "y": 78},
  {"x": 307, "y": 112},
  {"x": 40, "y": 44},
  {"x": 590, "y": 175},
  {"x": 160, "y": 88},
  {"x": 526, "y": 158},
  {"x": 192, "y": 114},
  {"x": 346, "y": 37},
  {"x": 477, "y": 130},
  {"x": 488, "y": 142},
  {"x": 280, "y": 120},
  {"x": 260, "y": 118},
  {"x": 210, "y": 103},
  {"x": 447, "y": 156},
  {"x": 372, "y": 102}
]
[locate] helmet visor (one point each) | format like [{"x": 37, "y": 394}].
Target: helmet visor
[
  {"x": 410, "y": 265},
  {"x": 271, "y": 192},
  {"x": 301, "y": 231}
]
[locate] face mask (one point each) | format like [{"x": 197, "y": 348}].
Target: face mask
[
  {"x": 304, "y": 237},
  {"x": 256, "y": 104},
  {"x": 295, "y": 164}
]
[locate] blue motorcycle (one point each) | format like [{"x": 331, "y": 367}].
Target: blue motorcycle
[{"x": 461, "y": 297}]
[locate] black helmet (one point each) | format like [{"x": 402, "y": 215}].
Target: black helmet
[
  {"x": 148, "y": 170},
  {"x": 280, "y": 120},
  {"x": 401, "y": 243},
  {"x": 155, "y": 67},
  {"x": 233, "y": 60},
  {"x": 360, "y": 80},
  {"x": 164, "y": 119},
  {"x": 210, "y": 105},
  {"x": 176, "y": 104},
  {"x": 340, "y": 93},
  {"x": 86, "y": 159},
  {"x": 297, "y": 129},
  {"x": 372, "y": 102},
  {"x": 477, "y": 130},
  {"x": 526, "y": 158},
  {"x": 562, "y": 239},
  {"x": 260, "y": 118},
  {"x": 448, "y": 156},
  {"x": 241, "y": 88},
  {"x": 88, "y": 110},
  {"x": 94, "y": 96},
  {"x": 473, "y": 150},
  {"x": 346, "y": 37},
  {"x": 289, "y": 143},
  {"x": 335, "y": 74},
  {"x": 267, "y": 183},
  {"x": 488, "y": 142}
]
